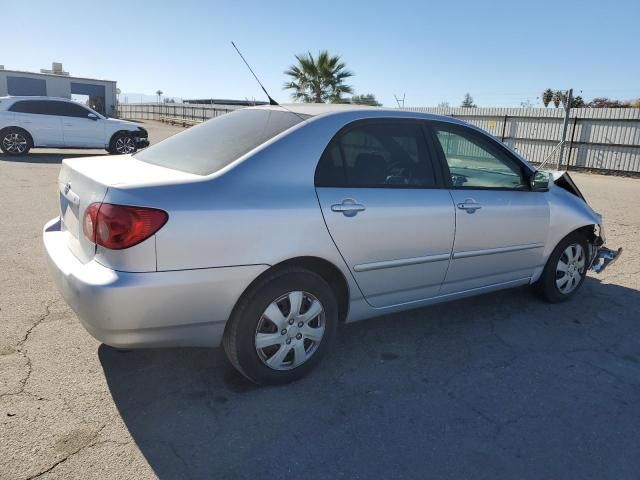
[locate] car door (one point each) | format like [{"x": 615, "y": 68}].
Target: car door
[
  {"x": 40, "y": 120},
  {"x": 383, "y": 204},
  {"x": 501, "y": 225},
  {"x": 82, "y": 127}
]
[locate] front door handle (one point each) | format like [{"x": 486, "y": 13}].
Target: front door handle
[
  {"x": 470, "y": 205},
  {"x": 349, "y": 207}
]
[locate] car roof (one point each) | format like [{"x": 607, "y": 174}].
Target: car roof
[
  {"x": 317, "y": 109},
  {"x": 34, "y": 97}
]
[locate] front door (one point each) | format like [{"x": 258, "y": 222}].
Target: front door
[
  {"x": 379, "y": 195},
  {"x": 501, "y": 225}
]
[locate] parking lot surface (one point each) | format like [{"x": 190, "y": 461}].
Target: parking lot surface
[{"x": 496, "y": 386}]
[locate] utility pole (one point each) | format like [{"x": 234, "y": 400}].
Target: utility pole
[
  {"x": 567, "y": 110},
  {"x": 398, "y": 101}
]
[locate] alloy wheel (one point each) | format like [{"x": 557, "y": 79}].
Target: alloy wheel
[
  {"x": 125, "y": 145},
  {"x": 290, "y": 330},
  {"x": 15, "y": 143},
  {"x": 570, "y": 268}
]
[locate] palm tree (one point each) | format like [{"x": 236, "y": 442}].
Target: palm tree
[
  {"x": 318, "y": 80},
  {"x": 547, "y": 96},
  {"x": 159, "y": 94}
]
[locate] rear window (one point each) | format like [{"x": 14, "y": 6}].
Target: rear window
[{"x": 214, "y": 144}]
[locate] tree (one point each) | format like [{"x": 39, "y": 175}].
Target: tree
[
  {"x": 557, "y": 98},
  {"x": 443, "y": 105},
  {"x": 604, "y": 102},
  {"x": 468, "y": 102},
  {"x": 159, "y": 94},
  {"x": 578, "y": 102},
  {"x": 318, "y": 80},
  {"x": 547, "y": 96},
  {"x": 366, "y": 99}
]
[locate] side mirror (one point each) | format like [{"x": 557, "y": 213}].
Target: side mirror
[
  {"x": 92, "y": 116},
  {"x": 539, "y": 182}
]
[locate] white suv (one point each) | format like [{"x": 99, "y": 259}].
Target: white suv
[{"x": 27, "y": 122}]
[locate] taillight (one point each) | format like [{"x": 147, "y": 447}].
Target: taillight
[{"x": 121, "y": 226}]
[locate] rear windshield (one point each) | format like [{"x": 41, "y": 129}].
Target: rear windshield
[{"x": 214, "y": 144}]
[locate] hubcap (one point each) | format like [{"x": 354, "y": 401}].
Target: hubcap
[
  {"x": 570, "y": 268},
  {"x": 290, "y": 330},
  {"x": 125, "y": 145},
  {"x": 14, "y": 143}
]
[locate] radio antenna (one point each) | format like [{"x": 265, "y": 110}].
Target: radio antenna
[{"x": 271, "y": 100}]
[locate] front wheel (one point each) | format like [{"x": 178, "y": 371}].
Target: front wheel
[
  {"x": 15, "y": 141},
  {"x": 123, "y": 144},
  {"x": 282, "y": 327},
  {"x": 565, "y": 270}
]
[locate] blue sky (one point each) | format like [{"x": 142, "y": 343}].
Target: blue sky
[{"x": 502, "y": 52}]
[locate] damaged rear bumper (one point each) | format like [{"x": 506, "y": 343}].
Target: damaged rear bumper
[{"x": 604, "y": 257}]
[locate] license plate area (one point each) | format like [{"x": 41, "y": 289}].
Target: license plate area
[{"x": 70, "y": 213}]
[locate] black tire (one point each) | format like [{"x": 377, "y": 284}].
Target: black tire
[
  {"x": 240, "y": 332},
  {"x": 122, "y": 144},
  {"x": 546, "y": 285},
  {"x": 15, "y": 141}
]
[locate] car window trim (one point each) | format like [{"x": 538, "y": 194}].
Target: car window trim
[
  {"x": 431, "y": 125},
  {"x": 439, "y": 183}
]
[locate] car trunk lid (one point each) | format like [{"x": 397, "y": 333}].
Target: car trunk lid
[{"x": 83, "y": 181}]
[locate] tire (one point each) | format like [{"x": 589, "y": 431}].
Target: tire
[
  {"x": 122, "y": 144},
  {"x": 288, "y": 353},
  {"x": 556, "y": 286},
  {"x": 15, "y": 142}
]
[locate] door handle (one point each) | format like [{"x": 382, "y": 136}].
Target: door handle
[
  {"x": 470, "y": 205},
  {"x": 349, "y": 207}
]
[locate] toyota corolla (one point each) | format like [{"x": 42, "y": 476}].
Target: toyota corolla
[{"x": 265, "y": 228}]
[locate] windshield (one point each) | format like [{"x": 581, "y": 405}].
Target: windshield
[{"x": 214, "y": 144}]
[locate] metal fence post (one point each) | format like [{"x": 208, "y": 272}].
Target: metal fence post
[
  {"x": 567, "y": 111},
  {"x": 504, "y": 127}
]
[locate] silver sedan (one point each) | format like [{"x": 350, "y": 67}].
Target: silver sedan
[{"x": 265, "y": 228}]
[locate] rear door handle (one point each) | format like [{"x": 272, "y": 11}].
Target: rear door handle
[
  {"x": 349, "y": 207},
  {"x": 470, "y": 205}
]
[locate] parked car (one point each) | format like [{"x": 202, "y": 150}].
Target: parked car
[
  {"x": 28, "y": 122},
  {"x": 265, "y": 228}
]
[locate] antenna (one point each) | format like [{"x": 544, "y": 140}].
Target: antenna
[{"x": 271, "y": 100}]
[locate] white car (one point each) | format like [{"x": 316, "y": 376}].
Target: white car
[{"x": 28, "y": 122}]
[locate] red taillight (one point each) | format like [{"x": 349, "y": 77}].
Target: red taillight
[{"x": 121, "y": 226}]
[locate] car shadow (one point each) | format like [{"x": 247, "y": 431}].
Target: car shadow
[
  {"x": 486, "y": 387},
  {"x": 51, "y": 158}
]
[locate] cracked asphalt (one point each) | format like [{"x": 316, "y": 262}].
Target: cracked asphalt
[{"x": 497, "y": 386}]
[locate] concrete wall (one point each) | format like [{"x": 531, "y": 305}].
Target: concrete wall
[{"x": 60, "y": 86}]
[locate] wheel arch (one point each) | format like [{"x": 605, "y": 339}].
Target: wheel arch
[
  {"x": 115, "y": 134},
  {"x": 329, "y": 272},
  {"x": 15, "y": 127}
]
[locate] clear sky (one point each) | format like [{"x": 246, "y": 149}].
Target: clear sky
[{"x": 502, "y": 52}]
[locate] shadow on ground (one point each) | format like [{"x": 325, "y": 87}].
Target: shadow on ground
[
  {"x": 36, "y": 157},
  {"x": 497, "y": 386}
]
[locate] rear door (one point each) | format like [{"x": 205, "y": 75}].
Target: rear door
[
  {"x": 79, "y": 129},
  {"x": 501, "y": 225},
  {"x": 382, "y": 202},
  {"x": 40, "y": 120}
]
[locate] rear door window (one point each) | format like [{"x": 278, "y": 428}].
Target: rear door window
[
  {"x": 41, "y": 107},
  {"x": 214, "y": 144},
  {"x": 377, "y": 154}
]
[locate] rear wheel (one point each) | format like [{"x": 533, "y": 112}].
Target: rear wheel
[
  {"x": 282, "y": 327},
  {"x": 122, "y": 144},
  {"x": 565, "y": 270},
  {"x": 15, "y": 141}
]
